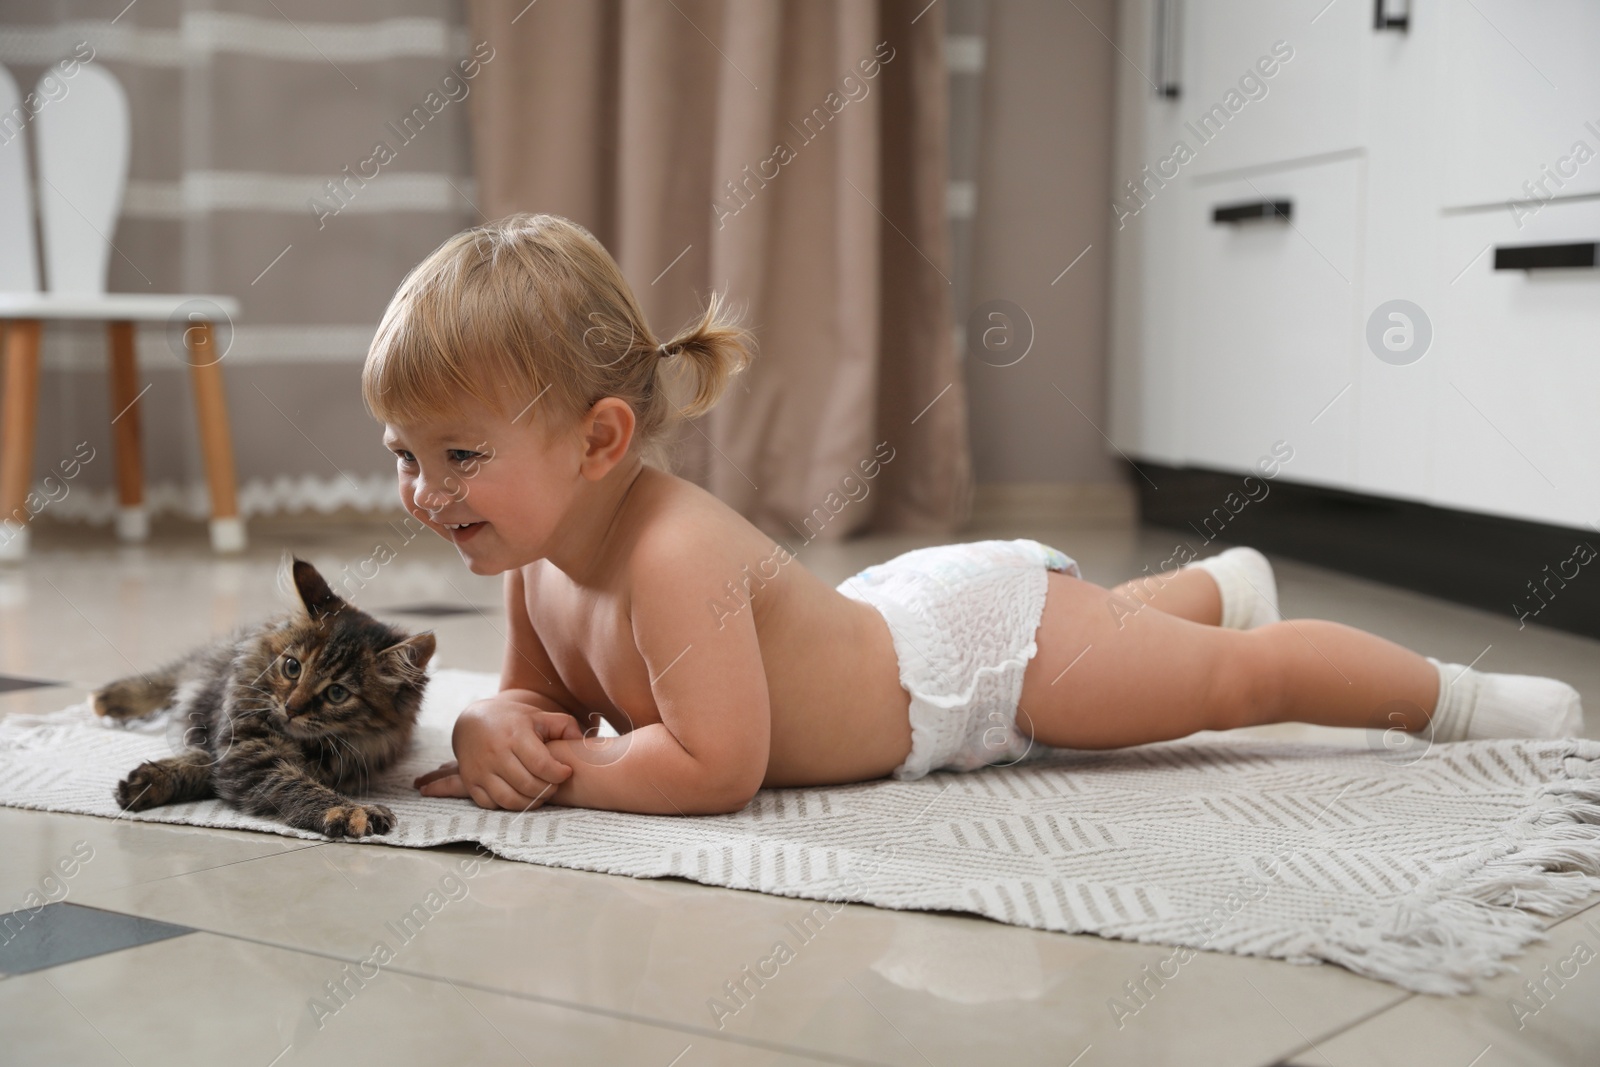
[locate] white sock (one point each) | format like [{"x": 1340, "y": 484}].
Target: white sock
[
  {"x": 1478, "y": 704},
  {"x": 1249, "y": 593}
]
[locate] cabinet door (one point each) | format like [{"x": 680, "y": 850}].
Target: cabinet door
[
  {"x": 1522, "y": 81},
  {"x": 1267, "y": 335},
  {"x": 1144, "y": 233},
  {"x": 1405, "y": 172},
  {"x": 1310, "y": 105},
  {"x": 1518, "y": 378}
]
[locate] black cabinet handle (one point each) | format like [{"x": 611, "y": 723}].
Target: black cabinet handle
[
  {"x": 1536, "y": 257},
  {"x": 1382, "y": 20},
  {"x": 1167, "y": 38},
  {"x": 1252, "y": 210}
]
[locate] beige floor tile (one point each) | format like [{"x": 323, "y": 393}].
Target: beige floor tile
[
  {"x": 202, "y": 999},
  {"x": 862, "y": 981},
  {"x": 1509, "y": 1023},
  {"x": 52, "y": 856}
]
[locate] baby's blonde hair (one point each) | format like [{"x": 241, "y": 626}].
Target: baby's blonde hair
[{"x": 533, "y": 306}]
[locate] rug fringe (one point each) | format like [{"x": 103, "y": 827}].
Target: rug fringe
[{"x": 1452, "y": 932}]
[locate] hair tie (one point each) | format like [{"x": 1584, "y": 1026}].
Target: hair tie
[{"x": 661, "y": 349}]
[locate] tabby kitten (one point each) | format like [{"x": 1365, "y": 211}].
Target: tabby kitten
[{"x": 285, "y": 717}]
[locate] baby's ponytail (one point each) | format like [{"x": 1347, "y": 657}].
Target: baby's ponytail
[{"x": 718, "y": 346}]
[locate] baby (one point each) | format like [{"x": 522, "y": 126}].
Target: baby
[{"x": 528, "y": 404}]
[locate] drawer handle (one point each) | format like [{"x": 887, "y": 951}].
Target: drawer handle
[
  {"x": 1382, "y": 20},
  {"x": 1166, "y": 45},
  {"x": 1252, "y": 210},
  {"x": 1535, "y": 257}
]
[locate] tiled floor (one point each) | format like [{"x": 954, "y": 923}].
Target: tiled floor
[{"x": 270, "y": 955}]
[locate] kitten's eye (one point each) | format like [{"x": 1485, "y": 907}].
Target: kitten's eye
[
  {"x": 291, "y": 667},
  {"x": 335, "y": 694}
]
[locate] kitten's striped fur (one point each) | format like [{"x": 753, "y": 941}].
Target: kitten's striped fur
[{"x": 268, "y": 728}]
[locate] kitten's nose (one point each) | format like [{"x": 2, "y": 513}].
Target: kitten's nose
[{"x": 296, "y": 705}]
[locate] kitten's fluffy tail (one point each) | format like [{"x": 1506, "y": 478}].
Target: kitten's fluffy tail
[{"x": 135, "y": 696}]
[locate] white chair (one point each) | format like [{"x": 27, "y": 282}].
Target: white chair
[{"x": 82, "y": 145}]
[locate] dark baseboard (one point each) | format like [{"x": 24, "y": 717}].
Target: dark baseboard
[{"x": 1532, "y": 572}]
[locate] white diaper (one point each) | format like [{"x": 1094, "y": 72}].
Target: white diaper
[{"x": 963, "y": 619}]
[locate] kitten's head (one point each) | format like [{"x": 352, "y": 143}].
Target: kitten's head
[{"x": 331, "y": 670}]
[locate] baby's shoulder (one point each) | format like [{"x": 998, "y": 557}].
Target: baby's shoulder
[{"x": 686, "y": 535}]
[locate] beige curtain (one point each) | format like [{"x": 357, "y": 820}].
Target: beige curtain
[{"x": 792, "y": 153}]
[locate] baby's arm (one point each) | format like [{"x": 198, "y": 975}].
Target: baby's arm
[
  {"x": 500, "y": 742},
  {"x": 708, "y": 754}
]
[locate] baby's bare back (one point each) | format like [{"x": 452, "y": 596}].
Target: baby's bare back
[{"x": 838, "y": 711}]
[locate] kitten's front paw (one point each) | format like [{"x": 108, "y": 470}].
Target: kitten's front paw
[
  {"x": 149, "y": 786},
  {"x": 357, "y": 820}
]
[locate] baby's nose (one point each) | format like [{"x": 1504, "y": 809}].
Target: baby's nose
[{"x": 433, "y": 498}]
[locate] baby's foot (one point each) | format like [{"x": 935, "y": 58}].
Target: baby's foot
[
  {"x": 1478, "y": 704},
  {"x": 1244, "y": 579}
]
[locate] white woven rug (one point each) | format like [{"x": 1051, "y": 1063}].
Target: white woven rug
[{"x": 1425, "y": 874}]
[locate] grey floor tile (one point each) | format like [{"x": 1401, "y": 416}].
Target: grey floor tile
[
  {"x": 10, "y": 684},
  {"x": 31, "y": 940},
  {"x": 431, "y": 611}
]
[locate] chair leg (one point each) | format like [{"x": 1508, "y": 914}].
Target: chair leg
[
  {"x": 227, "y": 528},
  {"x": 17, "y": 423},
  {"x": 133, "y": 522}
]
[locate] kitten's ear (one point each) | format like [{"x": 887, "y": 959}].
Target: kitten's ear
[
  {"x": 411, "y": 656},
  {"x": 303, "y": 587}
]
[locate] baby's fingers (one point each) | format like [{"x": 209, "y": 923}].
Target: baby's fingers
[
  {"x": 557, "y": 726},
  {"x": 439, "y": 784},
  {"x": 444, "y": 770},
  {"x": 538, "y": 761},
  {"x": 508, "y": 797}
]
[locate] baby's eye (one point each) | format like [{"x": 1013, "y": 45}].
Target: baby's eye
[
  {"x": 461, "y": 455},
  {"x": 405, "y": 457}
]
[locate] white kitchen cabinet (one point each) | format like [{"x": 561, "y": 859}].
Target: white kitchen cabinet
[
  {"x": 1144, "y": 417},
  {"x": 1405, "y": 168},
  {"x": 1310, "y": 105},
  {"x": 1267, "y": 340},
  {"x": 1523, "y": 84},
  {"x": 1517, "y": 377},
  {"x": 1399, "y": 152}
]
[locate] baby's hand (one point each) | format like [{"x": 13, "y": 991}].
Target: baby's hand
[{"x": 501, "y": 759}]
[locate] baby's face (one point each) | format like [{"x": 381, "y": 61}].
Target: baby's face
[{"x": 492, "y": 471}]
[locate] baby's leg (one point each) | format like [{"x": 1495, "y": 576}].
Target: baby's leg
[
  {"x": 1108, "y": 674},
  {"x": 1189, "y": 594}
]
